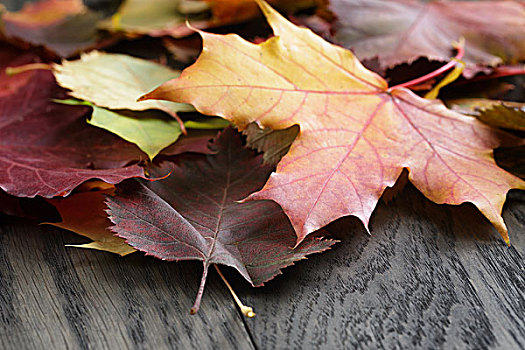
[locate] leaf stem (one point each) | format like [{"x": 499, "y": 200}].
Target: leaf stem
[
  {"x": 198, "y": 299},
  {"x": 181, "y": 123},
  {"x": 246, "y": 310},
  {"x": 460, "y": 47},
  {"x": 26, "y": 67},
  {"x": 498, "y": 72}
]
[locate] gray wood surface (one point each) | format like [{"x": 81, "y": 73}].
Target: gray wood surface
[{"x": 429, "y": 277}]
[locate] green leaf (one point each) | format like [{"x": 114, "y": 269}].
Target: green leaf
[
  {"x": 151, "y": 131},
  {"x": 116, "y": 81},
  {"x": 207, "y": 123}
]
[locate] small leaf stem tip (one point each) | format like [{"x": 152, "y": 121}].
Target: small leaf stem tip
[{"x": 246, "y": 310}]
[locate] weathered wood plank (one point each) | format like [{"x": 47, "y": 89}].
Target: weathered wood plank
[
  {"x": 421, "y": 281},
  {"x": 54, "y": 297}
]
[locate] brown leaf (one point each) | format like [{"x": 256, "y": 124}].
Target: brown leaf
[
  {"x": 63, "y": 26},
  {"x": 403, "y": 30},
  {"x": 274, "y": 143}
]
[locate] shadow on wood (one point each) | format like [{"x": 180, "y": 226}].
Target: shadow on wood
[{"x": 428, "y": 277}]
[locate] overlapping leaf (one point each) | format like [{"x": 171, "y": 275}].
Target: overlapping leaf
[
  {"x": 155, "y": 17},
  {"x": 150, "y": 131},
  {"x": 274, "y": 143},
  {"x": 84, "y": 213},
  {"x": 168, "y": 17},
  {"x": 356, "y": 134},
  {"x": 194, "y": 215},
  {"x": 116, "y": 81},
  {"x": 63, "y": 26},
  {"x": 403, "y": 30},
  {"x": 234, "y": 11},
  {"x": 46, "y": 148},
  {"x": 503, "y": 114}
]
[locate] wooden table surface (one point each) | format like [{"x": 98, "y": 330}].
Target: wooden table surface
[{"x": 429, "y": 277}]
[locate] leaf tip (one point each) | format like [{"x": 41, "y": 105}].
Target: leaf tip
[
  {"x": 144, "y": 97},
  {"x": 504, "y": 233},
  {"x": 506, "y": 239}
]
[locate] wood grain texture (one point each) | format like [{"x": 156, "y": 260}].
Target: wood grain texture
[
  {"x": 54, "y": 297},
  {"x": 421, "y": 281}
]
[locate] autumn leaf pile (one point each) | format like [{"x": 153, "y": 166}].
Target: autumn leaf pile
[{"x": 267, "y": 136}]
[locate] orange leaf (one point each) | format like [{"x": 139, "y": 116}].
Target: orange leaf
[
  {"x": 356, "y": 134},
  {"x": 84, "y": 213}
]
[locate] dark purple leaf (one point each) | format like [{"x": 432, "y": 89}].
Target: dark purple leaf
[
  {"x": 46, "y": 148},
  {"x": 194, "y": 215}
]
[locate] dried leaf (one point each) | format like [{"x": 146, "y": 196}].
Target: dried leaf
[
  {"x": 47, "y": 148},
  {"x": 151, "y": 131},
  {"x": 155, "y": 18},
  {"x": 84, "y": 213},
  {"x": 194, "y": 214},
  {"x": 274, "y": 143},
  {"x": 116, "y": 81},
  {"x": 357, "y": 134},
  {"x": 403, "y": 30},
  {"x": 504, "y": 116},
  {"x": 64, "y": 26}
]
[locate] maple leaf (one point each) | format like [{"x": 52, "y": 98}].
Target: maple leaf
[
  {"x": 46, "y": 148},
  {"x": 63, "y": 26},
  {"x": 356, "y": 134},
  {"x": 84, "y": 213},
  {"x": 187, "y": 217},
  {"x": 403, "y": 30}
]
